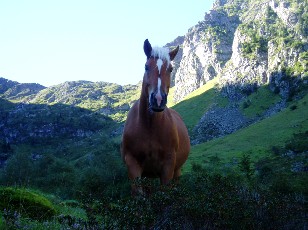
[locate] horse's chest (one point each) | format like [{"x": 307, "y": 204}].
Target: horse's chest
[
  {"x": 152, "y": 150},
  {"x": 152, "y": 159}
]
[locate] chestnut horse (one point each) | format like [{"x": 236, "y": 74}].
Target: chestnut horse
[{"x": 155, "y": 141}]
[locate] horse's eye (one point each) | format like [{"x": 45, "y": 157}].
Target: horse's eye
[
  {"x": 146, "y": 67},
  {"x": 170, "y": 69}
]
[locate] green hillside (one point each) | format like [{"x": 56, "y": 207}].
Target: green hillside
[
  {"x": 194, "y": 105},
  {"x": 264, "y": 140},
  {"x": 109, "y": 99},
  {"x": 259, "y": 140}
]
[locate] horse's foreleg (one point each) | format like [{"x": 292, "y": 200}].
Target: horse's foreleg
[
  {"x": 134, "y": 172},
  {"x": 176, "y": 176},
  {"x": 168, "y": 171},
  {"x": 166, "y": 177}
]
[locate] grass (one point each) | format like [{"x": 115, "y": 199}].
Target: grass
[
  {"x": 22, "y": 208},
  {"x": 26, "y": 202},
  {"x": 170, "y": 101},
  {"x": 257, "y": 103},
  {"x": 195, "y": 105},
  {"x": 256, "y": 139}
]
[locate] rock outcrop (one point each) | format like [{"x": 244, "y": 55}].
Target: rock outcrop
[
  {"x": 244, "y": 43},
  {"x": 204, "y": 52},
  {"x": 176, "y": 62}
]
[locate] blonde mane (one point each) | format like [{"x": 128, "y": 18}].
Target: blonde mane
[{"x": 161, "y": 53}]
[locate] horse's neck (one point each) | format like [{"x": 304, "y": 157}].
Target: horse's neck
[{"x": 144, "y": 112}]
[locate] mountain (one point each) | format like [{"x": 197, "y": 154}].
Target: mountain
[
  {"x": 13, "y": 90},
  {"x": 37, "y": 123},
  {"x": 247, "y": 48},
  {"x": 243, "y": 46},
  {"x": 246, "y": 44},
  {"x": 176, "y": 62},
  {"x": 109, "y": 99},
  {"x": 38, "y": 115}
]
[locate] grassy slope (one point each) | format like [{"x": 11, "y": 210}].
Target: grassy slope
[
  {"x": 194, "y": 105},
  {"x": 257, "y": 139},
  {"x": 259, "y": 101}
]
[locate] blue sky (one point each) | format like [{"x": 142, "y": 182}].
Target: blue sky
[{"x": 53, "y": 41}]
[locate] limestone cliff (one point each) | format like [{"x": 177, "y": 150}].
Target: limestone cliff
[
  {"x": 176, "y": 62},
  {"x": 245, "y": 43}
]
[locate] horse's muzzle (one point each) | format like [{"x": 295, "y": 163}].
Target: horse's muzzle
[{"x": 158, "y": 103}]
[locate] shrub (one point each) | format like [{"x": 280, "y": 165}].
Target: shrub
[
  {"x": 299, "y": 143},
  {"x": 1, "y": 222},
  {"x": 276, "y": 90},
  {"x": 257, "y": 43},
  {"x": 246, "y": 104},
  {"x": 277, "y": 150},
  {"x": 245, "y": 165},
  {"x": 18, "y": 170},
  {"x": 293, "y": 107},
  {"x": 200, "y": 201},
  {"x": 27, "y": 203}
]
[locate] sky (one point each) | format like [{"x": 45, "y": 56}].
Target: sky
[{"x": 53, "y": 41}]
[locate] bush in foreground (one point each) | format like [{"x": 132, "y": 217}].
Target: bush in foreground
[
  {"x": 199, "y": 201},
  {"x": 15, "y": 201}
]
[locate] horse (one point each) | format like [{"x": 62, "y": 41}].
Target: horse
[{"x": 155, "y": 141}]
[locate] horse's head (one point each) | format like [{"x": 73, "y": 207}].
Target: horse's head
[{"x": 156, "y": 80}]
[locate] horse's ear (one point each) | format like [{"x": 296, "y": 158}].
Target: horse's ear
[
  {"x": 173, "y": 53},
  {"x": 147, "y": 48}
]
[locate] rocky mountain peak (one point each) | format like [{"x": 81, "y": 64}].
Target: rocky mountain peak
[
  {"x": 206, "y": 49},
  {"x": 243, "y": 43}
]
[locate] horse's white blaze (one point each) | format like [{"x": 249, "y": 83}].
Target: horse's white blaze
[
  {"x": 159, "y": 64},
  {"x": 159, "y": 84},
  {"x": 158, "y": 95}
]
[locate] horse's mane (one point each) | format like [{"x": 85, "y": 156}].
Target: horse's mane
[{"x": 161, "y": 53}]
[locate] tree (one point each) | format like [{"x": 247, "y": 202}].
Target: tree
[{"x": 245, "y": 166}]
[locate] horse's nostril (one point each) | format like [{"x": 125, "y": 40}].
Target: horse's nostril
[{"x": 157, "y": 102}]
